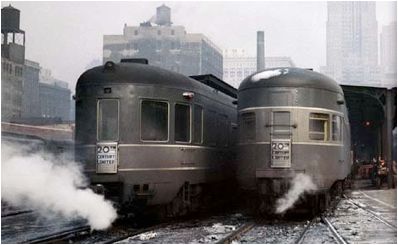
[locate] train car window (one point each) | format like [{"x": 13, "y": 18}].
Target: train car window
[
  {"x": 198, "y": 124},
  {"x": 182, "y": 127},
  {"x": 154, "y": 120},
  {"x": 247, "y": 130},
  {"x": 211, "y": 128},
  {"x": 319, "y": 126},
  {"x": 108, "y": 120},
  {"x": 336, "y": 128},
  {"x": 222, "y": 130}
]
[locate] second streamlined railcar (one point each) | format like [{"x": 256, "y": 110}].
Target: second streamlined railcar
[
  {"x": 291, "y": 121},
  {"x": 152, "y": 137}
]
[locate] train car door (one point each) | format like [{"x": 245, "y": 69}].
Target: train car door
[
  {"x": 281, "y": 139},
  {"x": 107, "y": 136}
]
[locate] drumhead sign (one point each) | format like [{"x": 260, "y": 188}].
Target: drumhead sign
[{"x": 107, "y": 158}]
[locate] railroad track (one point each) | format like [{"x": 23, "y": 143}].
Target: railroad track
[
  {"x": 14, "y": 213},
  {"x": 237, "y": 233},
  {"x": 381, "y": 219},
  {"x": 61, "y": 237},
  {"x": 300, "y": 239},
  {"x": 336, "y": 235}
]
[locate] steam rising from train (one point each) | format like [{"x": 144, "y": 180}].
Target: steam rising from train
[
  {"x": 49, "y": 184},
  {"x": 300, "y": 184}
]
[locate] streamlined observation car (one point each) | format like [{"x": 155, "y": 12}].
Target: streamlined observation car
[
  {"x": 291, "y": 121},
  {"x": 149, "y": 136}
]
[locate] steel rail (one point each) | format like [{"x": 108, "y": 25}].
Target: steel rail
[
  {"x": 237, "y": 234},
  {"x": 304, "y": 232},
  {"x": 56, "y": 237},
  {"x": 14, "y": 213},
  {"x": 336, "y": 235}
]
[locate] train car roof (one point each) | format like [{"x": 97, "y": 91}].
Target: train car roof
[
  {"x": 132, "y": 72},
  {"x": 289, "y": 77}
]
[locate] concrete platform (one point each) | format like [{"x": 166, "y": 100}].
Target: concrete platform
[{"x": 368, "y": 215}]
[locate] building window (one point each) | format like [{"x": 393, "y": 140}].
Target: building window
[
  {"x": 108, "y": 119},
  {"x": 239, "y": 74},
  {"x": 136, "y": 32},
  {"x": 182, "y": 127},
  {"x": 172, "y": 32},
  {"x": 319, "y": 126},
  {"x": 247, "y": 127},
  {"x": 198, "y": 124},
  {"x": 159, "y": 33}
]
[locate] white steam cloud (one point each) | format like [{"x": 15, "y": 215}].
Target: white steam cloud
[
  {"x": 300, "y": 184},
  {"x": 48, "y": 184}
]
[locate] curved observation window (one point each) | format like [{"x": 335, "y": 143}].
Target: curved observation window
[
  {"x": 319, "y": 126},
  {"x": 182, "y": 123},
  {"x": 337, "y": 128},
  {"x": 198, "y": 124},
  {"x": 154, "y": 120},
  {"x": 247, "y": 130}
]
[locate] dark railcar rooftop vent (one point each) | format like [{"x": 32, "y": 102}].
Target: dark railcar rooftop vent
[
  {"x": 109, "y": 66},
  {"x": 139, "y": 61},
  {"x": 216, "y": 83}
]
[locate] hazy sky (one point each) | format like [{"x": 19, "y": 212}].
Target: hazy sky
[{"x": 66, "y": 36}]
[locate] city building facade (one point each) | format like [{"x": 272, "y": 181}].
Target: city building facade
[
  {"x": 30, "y": 88},
  {"x": 166, "y": 46},
  {"x": 238, "y": 65},
  {"x": 55, "y": 97},
  {"x": 352, "y": 47},
  {"x": 12, "y": 64},
  {"x": 388, "y": 55}
]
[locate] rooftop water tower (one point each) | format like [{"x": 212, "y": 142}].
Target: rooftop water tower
[
  {"x": 163, "y": 16},
  {"x": 12, "y": 38}
]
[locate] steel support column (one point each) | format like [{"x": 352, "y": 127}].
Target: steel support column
[{"x": 387, "y": 152}]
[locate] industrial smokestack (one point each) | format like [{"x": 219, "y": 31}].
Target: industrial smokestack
[{"x": 260, "y": 51}]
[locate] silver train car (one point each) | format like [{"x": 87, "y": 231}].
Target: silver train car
[
  {"x": 291, "y": 121},
  {"x": 152, "y": 137}
]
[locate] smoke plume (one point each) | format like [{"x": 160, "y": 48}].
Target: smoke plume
[
  {"x": 300, "y": 184},
  {"x": 49, "y": 184}
]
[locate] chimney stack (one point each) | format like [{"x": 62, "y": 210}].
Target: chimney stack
[{"x": 260, "y": 51}]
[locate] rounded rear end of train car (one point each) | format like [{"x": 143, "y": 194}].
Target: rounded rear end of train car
[
  {"x": 142, "y": 135},
  {"x": 292, "y": 122}
]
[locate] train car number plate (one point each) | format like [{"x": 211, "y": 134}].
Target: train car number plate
[{"x": 107, "y": 159}]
